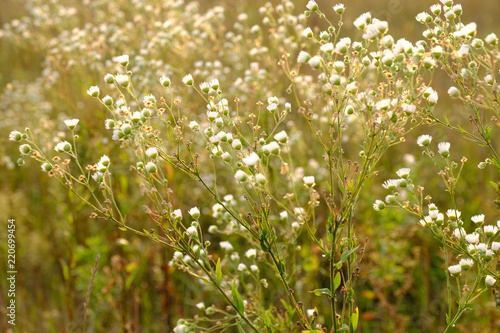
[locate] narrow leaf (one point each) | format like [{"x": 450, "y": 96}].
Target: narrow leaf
[
  {"x": 238, "y": 302},
  {"x": 324, "y": 291},
  {"x": 354, "y": 319},
  {"x": 218, "y": 273},
  {"x": 346, "y": 255},
  {"x": 336, "y": 282}
]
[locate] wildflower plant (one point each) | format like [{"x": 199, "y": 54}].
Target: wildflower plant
[{"x": 283, "y": 165}]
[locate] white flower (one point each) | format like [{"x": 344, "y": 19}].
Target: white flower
[
  {"x": 490, "y": 230},
  {"x": 165, "y": 81},
  {"x": 490, "y": 280},
  {"x": 214, "y": 84},
  {"x": 459, "y": 233},
  {"x": 271, "y": 148},
  {"x": 312, "y": 5},
  {"x": 444, "y": 149},
  {"x": 151, "y": 167},
  {"x": 254, "y": 268},
  {"x": 63, "y": 146},
  {"x": 242, "y": 267},
  {"x": 314, "y": 62},
  {"x": 303, "y": 57},
  {"x": 251, "y": 160},
  {"x": 491, "y": 39},
  {"x": 378, "y": 205},
  {"x": 466, "y": 263},
  {"x": 403, "y": 173},
  {"x": 455, "y": 270},
  {"x": 109, "y": 78},
  {"x": 362, "y": 20},
  {"x": 176, "y": 214},
  {"x": 424, "y": 140},
  {"x": 391, "y": 184},
  {"x": 104, "y": 160},
  {"x": 107, "y": 100},
  {"x": 191, "y": 231},
  {"x": 188, "y": 79},
  {"x": 433, "y": 98},
  {"x": 194, "y": 212},
  {"x": 436, "y": 9},
  {"x": 283, "y": 215},
  {"x": 122, "y": 80},
  {"x": 454, "y": 92},
  {"x": 281, "y": 137},
  {"x": 152, "y": 152},
  {"x": 180, "y": 328},
  {"x": 236, "y": 144},
  {"x": 226, "y": 246},
  {"x": 251, "y": 254},
  {"x": 370, "y": 31},
  {"x": 15, "y": 136},
  {"x": 327, "y": 48},
  {"x": 472, "y": 238},
  {"x": 478, "y": 219},
  {"x": 309, "y": 181},
  {"x": 46, "y": 167},
  {"x": 240, "y": 176},
  {"x": 339, "y": 8},
  {"x": 424, "y": 18},
  {"x": 307, "y": 32},
  {"x": 93, "y": 91},
  {"x": 122, "y": 60},
  {"x": 453, "y": 214},
  {"x": 260, "y": 178},
  {"x": 495, "y": 246}
]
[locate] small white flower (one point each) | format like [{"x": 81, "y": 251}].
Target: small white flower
[
  {"x": 214, "y": 84},
  {"x": 271, "y": 148},
  {"x": 327, "y": 48},
  {"x": 251, "y": 254},
  {"x": 303, "y": 57},
  {"x": 362, "y": 20},
  {"x": 491, "y": 39},
  {"x": 109, "y": 78},
  {"x": 236, "y": 144},
  {"x": 194, "y": 212},
  {"x": 188, "y": 80},
  {"x": 176, "y": 214},
  {"x": 240, "y": 176},
  {"x": 391, "y": 184},
  {"x": 93, "y": 91},
  {"x": 403, "y": 173},
  {"x": 283, "y": 215},
  {"x": 472, "y": 238},
  {"x": 314, "y": 62},
  {"x": 444, "y": 149},
  {"x": 242, "y": 267},
  {"x": 104, "y": 160},
  {"x": 466, "y": 263},
  {"x": 122, "y": 60},
  {"x": 152, "y": 152},
  {"x": 378, "y": 205},
  {"x": 309, "y": 181},
  {"x": 478, "y": 219},
  {"x": 63, "y": 146},
  {"x": 15, "y": 136},
  {"x": 455, "y": 270},
  {"x": 312, "y": 5},
  {"x": 490, "y": 230},
  {"x": 339, "y": 8},
  {"x": 226, "y": 246},
  {"x": 307, "y": 32},
  {"x": 453, "y": 214},
  {"x": 424, "y": 140},
  {"x": 165, "y": 81},
  {"x": 490, "y": 280},
  {"x": 454, "y": 92},
  {"x": 192, "y": 231},
  {"x": 251, "y": 160},
  {"x": 107, "y": 100},
  {"x": 254, "y": 268},
  {"x": 260, "y": 178},
  {"x": 281, "y": 137},
  {"x": 459, "y": 233},
  {"x": 122, "y": 80},
  {"x": 46, "y": 167},
  {"x": 150, "y": 167}
]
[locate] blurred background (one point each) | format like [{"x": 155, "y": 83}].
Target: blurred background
[{"x": 52, "y": 51}]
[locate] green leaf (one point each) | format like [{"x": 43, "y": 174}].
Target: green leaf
[
  {"x": 238, "y": 302},
  {"x": 218, "y": 273},
  {"x": 343, "y": 328},
  {"x": 324, "y": 291},
  {"x": 495, "y": 185},
  {"x": 346, "y": 255},
  {"x": 336, "y": 282},
  {"x": 122, "y": 228},
  {"x": 354, "y": 319}
]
